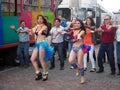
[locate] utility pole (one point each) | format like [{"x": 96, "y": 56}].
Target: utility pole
[
  {"x": 9, "y": 7},
  {"x": 53, "y": 6},
  {"x": 39, "y": 5},
  {"x": 0, "y": 9},
  {"x": 16, "y": 10},
  {"x": 21, "y": 6}
]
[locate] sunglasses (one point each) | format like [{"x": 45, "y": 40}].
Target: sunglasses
[{"x": 107, "y": 19}]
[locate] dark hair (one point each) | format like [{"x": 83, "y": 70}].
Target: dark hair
[
  {"x": 108, "y": 16},
  {"x": 82, "y": 24},
  {"x": 22, "y": 21},
  {"x": 46, "y": 17},
  {"x": 92, "y": 21},
  {"x": 60, "y": 15},
  {"x": 57, "y": 19},
  {"x": 44, "y": 20},
  {"x": 74, "y": 17},
  {"x": 46, "y": 23}
]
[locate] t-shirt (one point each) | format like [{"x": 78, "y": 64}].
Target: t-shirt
[
  {"x": 23, "y": 36},
  {"x": 59, "y": 37}
]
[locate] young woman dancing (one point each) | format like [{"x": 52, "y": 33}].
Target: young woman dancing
[
  {"x": 78, "y": 49},
  {"x": 41, "y": 47}
]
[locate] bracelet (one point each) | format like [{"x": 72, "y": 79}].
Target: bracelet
[{"x": 79, "y": 38}]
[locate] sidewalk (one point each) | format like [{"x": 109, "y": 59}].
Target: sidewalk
[{"x": 23, "y": 79}]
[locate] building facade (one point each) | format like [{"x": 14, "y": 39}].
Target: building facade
[{"x": 8, "y": 6}]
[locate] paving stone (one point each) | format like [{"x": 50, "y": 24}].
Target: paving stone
[{"x": 23, "y": 79}]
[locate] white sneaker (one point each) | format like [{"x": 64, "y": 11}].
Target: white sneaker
[{"x": 71, "y": 67}]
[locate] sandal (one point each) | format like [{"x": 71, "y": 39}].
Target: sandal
[
  {"x": 38, "y": 76},
  {"x": 45, "y": 76},
  {"x": 77, "y": 72},
  {"x": 82, "y": 80},
  {"x": 93, "y": 70}
]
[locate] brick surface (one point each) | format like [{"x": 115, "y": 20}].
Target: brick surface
[{"x": 23, "y": 79}]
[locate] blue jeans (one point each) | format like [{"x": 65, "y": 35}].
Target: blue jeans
[
  {"x": 23, "y": 47},
  {"x": 118, "y": 52},
  {"x": 59, "y": 48},
  {"x": 109, "y": 49},
  {"x": 70, "y": 44}
]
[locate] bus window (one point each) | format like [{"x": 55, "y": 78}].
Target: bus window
[
  {"x": 89, "y": 14},
  {"x": 65, "y": 12},
  {"x": 81, "y": 13}
]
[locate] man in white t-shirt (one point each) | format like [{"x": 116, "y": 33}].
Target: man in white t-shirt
[{"x": 57, "y": 43}]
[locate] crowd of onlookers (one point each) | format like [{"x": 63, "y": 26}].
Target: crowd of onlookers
[{"x": 72, "y": 40}]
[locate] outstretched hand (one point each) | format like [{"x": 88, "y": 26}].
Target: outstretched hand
[
  {"x": 92, "y": 31},
  {"x": 12, "y": 27},
  {"x": 63, "y": 32}
]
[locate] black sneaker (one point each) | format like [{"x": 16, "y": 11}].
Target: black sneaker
[
  {"x": 52, "y": 67},
  {"x": 118, "y": 73},
  {"x": 100, "y": 71},
  {"x": 61, "y": 68},
  {"x": 38, "y": 76},
  {"x": 112, "y": 73}
]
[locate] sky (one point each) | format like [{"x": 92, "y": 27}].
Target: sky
[{"x": 110, "y": 5}]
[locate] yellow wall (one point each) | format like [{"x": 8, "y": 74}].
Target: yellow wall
[{"x": 34, "y": 17}]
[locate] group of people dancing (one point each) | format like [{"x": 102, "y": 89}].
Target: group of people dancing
[
  {"x": 47, "y": 51},
  {"x": 81, "y": 41}
]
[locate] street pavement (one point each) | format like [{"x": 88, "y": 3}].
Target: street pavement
[{"x": 17, "y": 78}]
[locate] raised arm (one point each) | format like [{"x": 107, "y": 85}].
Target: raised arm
[
  {"x": 81, "y": 34},
  {"x": 68, "y": 26},
  {"x": 13, "y": 28}
]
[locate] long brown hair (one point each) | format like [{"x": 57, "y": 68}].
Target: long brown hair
[
  {"x": 46, "y": 23},
  {"x": 82, "y": 24}
]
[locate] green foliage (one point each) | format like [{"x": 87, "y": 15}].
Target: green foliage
[{"x": 50, "y": 16}]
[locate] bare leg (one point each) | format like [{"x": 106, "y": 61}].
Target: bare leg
[
  {"x": 35, "y": 65},
  {"x": 41, "y": 57},
  {"x": 72, "y": 57},
  {"x": 80, "y": 65},
  {"x": 34, "y": 62},
  {"x": 44, "y": 66}
]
